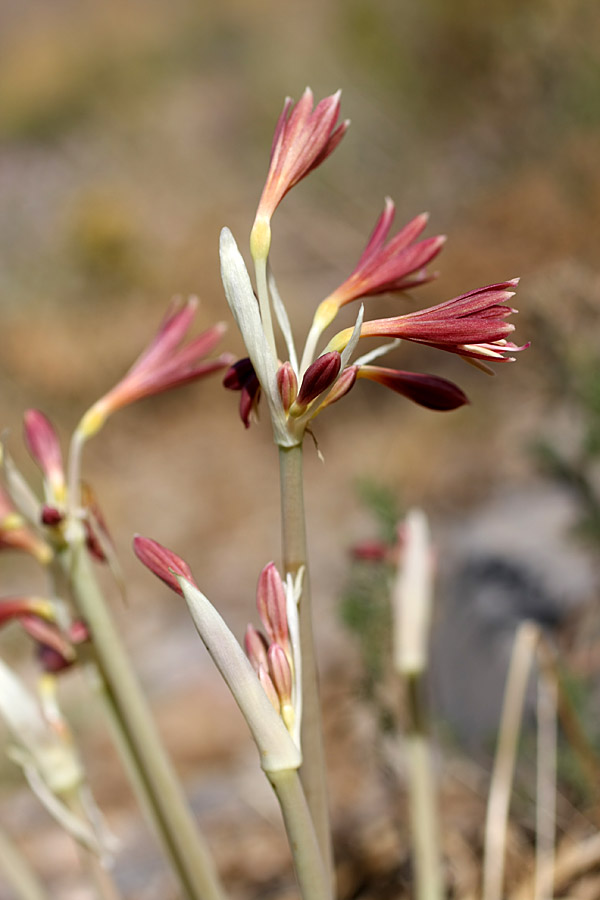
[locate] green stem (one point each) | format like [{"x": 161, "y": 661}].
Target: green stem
[
  {"x": 312, "y": 878},
  {"x": 175, "y": 826},
  {"x": 312, "y": 772},
  {"x": 18, "y": 873},
  {"x": 422, "y": 793}
]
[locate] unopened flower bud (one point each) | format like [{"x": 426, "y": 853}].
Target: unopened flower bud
[
  {"x": 343, "y": 385},
  {"x": 51, "y": 516},
  {"x": 165, "y": 564},
  {"x": 287, "y": 384},
  {"x": 42, "y": 443},
  {"x": 281, "y": 674},
  {"x": 256, "y": 648},
  {"x": 271, "y": 604},
  {"x": 318, "y": 377},
  {"x": 269, "y": 687}
]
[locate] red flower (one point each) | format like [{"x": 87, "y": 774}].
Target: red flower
[
  {"x": 395, "y": 266},
  {"x": 166, "y": 363},
  {"x": 473, "y": 325},
  {"x": 304, "y": 137}
]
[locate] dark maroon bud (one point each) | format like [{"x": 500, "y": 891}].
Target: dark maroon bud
[
  {"x": 318, "y": 377},
  {"x": 51, "y": 516}
]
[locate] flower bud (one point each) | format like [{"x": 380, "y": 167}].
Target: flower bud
[
  {"x": 268, "y": 687},
  {"x": 287, "y": 384},
  {"x": 281, "y": 674},
  {"x": 256, "y": 648},
  {"x": 271, "y": 604},
  {"x": 165, "y": 564},
  {"x": 42, "y": 443},
  {"x": 318, "y": 377}
]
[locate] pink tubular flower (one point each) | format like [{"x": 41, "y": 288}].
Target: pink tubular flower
[
  {"x": 395, "y": 266},
  {"x": 473, "y": 325},
  {"x": 166, "y": 363},
  {"x": 304, "y": 137},
  {"x": 162, "y": 562}
]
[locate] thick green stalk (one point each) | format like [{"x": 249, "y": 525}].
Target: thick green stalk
[
  {"x": 313, "y": 880},
  {"x": 19, "y": 875},
  {"x": 312, "y": 772},
  {"x": 172, "y": 819}
]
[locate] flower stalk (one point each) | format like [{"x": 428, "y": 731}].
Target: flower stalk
[
  {"x": 294, "y": 551},
  {"x": 171, "y": 817},
  {"x": 312, "y": 877}
]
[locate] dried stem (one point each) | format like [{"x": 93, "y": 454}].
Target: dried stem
[{"x": 312, "y": 772}]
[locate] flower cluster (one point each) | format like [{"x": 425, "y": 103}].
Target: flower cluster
[
  {"x": 266, "y": 682},
  {"x": 473, "y": 325},
  {"x": 272, "y": 657}
]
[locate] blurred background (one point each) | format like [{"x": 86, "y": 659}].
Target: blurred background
[{"x": 130, "y": 133}]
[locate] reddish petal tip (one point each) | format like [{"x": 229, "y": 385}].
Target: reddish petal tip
[{"x": 165, "y": 564}]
